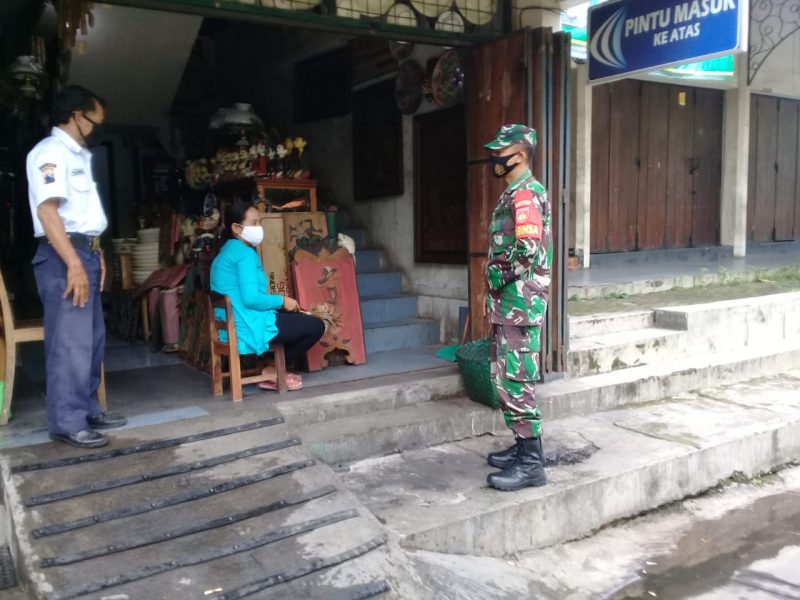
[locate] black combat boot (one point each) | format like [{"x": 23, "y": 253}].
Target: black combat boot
[
  {"x": 504, "y": 458},
  {"x": 526, "y": 470}
]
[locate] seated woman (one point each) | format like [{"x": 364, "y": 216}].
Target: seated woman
[{"x": 260, "y": 318}]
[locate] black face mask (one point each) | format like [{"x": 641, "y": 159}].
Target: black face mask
[
  {"x": 500, "y": 166},
  {"x": 94, "y": 137}
]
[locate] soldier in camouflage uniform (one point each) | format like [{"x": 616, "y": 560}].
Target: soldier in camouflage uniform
[{"x": 518, "y": 280}]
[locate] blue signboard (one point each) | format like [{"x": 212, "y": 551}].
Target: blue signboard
[{"x": 632, "y": 36}]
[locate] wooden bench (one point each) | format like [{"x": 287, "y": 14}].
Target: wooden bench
[
  {"x": 231, "y": 350},
  {"x": 18, "y": 332}
]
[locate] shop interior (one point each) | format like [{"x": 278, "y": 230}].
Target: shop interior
[{"x": 335, "y": 138}]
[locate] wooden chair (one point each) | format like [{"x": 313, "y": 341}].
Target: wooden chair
[
  {"x": 19, "y": 332},
  {"x": 230, "y": 349}
]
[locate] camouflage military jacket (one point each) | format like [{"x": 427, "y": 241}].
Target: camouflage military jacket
[{"x": 520, "y": 255}]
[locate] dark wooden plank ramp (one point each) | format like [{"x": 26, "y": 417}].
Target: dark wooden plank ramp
[{"x": 221, "y": 507}]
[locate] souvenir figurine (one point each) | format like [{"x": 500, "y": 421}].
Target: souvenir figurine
[
  {"x": 280, "y": 162},
  {"x": 304, "y": 172}
]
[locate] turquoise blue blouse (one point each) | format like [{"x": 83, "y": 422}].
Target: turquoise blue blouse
[{"x": 237, "y": 273}]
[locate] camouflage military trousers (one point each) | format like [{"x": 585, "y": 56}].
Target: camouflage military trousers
[{"x": 515, "y": 369}]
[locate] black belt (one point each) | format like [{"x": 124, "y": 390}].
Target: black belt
[{"x": 79, "y": 241}]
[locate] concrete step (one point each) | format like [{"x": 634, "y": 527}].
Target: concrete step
[
  {"x": 436, "y": 499},
  {"x": 327, "y": 498},
  {"x": 378, "y": 433},
  {"x": 408, "y": 333},
  {"x": 354, "y": 399},
  {"x": 746, "y": 322},
  {"x": 369, "y": 261},
  {"x": 620, "y": 350},
  {"x": 359, "y": 236},
  {"x": 377, "y": 285},
  {"x": 402, "y": 414},
  {"x": 388, "y": 308},
  {"x": 600, "y": 324}
]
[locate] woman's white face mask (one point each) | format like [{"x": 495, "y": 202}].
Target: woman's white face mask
[{"x": 253, "y": 234}]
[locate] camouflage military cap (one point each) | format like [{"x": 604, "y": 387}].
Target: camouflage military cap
[{"x": 508, "y": 135}]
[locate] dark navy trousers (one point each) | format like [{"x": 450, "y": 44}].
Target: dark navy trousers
[{"x": 74, "y": 341}]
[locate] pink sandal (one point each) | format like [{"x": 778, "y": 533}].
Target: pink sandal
[{"x": 293, "y": 382}]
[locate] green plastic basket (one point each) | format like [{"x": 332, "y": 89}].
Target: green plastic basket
[{"x": 474, "y": 362}]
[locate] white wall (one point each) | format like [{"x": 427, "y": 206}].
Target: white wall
[{"x": 779, "y": 74}]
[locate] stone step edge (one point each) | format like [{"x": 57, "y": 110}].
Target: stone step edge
[
  {"x": 764, "y": 449},
  {"x": 637, "y": 336},
  {"x": 558, "y": 399},
  {"x": 347, "y": 441},
  {"x": 371, "y": 395},
  {"x": 580, "y": 326},
  {"x": 652, "y": 382},
  {"x": 664, "y": 284},
  {"x": 379, "y": 433}
]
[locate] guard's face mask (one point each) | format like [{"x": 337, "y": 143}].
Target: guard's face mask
[{"x": 500, "y": 166}]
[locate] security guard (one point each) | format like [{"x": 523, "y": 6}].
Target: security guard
[
  {"x": 518, "y": 281},
  {"x": 69, "y": 268}
]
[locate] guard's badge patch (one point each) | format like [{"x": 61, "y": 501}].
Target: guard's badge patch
[
  {"x": 48, "y": 172},
  {"x": 527, "y": 217}
]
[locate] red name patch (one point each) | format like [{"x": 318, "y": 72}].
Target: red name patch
[{"x": 527, "y": 216}]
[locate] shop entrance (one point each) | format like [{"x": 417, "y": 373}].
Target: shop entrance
[
  {"x": 656, "y": 166},
  {"x": 153, "y": 156}
]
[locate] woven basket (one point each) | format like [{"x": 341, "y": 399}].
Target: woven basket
[{"x": 474, "y": 362}]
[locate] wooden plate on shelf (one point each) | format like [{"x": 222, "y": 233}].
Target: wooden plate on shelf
[
  {"x": 350, "y": 9},
  {"x": 376, "y": 8},
  {"x": 447, "y": 80},
  {"x": 450, "y": 21},
  {"x": 477, "y": 12},
  {"x": 304, "y": 4},
  {"x": 401, "y": 14},
  {"x": 408, "y": 87},
  {"x": 431, "y": 8}
]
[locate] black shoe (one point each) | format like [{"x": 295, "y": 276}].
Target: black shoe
[
  {"x": 85, "y": 438},
  {"x": 104, "y": 421},
  {"x": 527, "y": 470},
  {"x": 504, "y": 458}
]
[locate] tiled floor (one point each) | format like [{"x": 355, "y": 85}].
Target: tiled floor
[{"x": 155, "y": 388}]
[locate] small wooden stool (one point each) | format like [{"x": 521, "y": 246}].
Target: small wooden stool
[{"x": 231, "y": 350}]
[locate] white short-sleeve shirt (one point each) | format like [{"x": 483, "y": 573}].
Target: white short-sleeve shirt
[{"x": 59, "y": 167}]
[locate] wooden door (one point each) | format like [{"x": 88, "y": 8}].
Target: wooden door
[
  {"x": 656, "y": 166},
  {"x": 773, "y": 203},
  {"x": 522, "y": 78}
]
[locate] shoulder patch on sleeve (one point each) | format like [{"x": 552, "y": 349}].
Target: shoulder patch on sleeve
[
  {"x": 527, "y": 217},
  {"x": 48, "y": 172}
]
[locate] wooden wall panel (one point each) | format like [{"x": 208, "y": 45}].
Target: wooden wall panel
[
  {"x": 751, "y": 170},
  {"x": 766, "y": 159},
  {"x": 623, "y": 171},
  {"x": 496, "y": 94},
  {"x": 797, "y": 184},
  {"x": 786, "y": 171},
  {"x": 707, "y": 157},
  {"x": 679, "y": 182},
  {"x": 653, "y": 158},
  {"x": 601, "y": 106}
]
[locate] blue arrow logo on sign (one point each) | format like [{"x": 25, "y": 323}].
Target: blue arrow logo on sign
[{"x": 606, "y": 45}]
